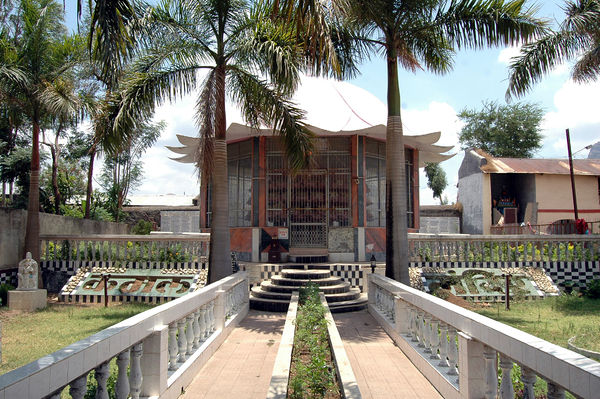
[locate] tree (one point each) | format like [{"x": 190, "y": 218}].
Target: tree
[
  {"x": 423, "y": 34},
  {"x": 122, "y": 171},
  {"x": 43, "y": 55},
  {"x": 436, "y": 180},
  {"x": 578, "y": 38},
  {"x": 511, "y": 131},
  {"x": 246, "y": 56}
]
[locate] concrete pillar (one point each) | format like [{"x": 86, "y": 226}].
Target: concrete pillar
[
  {"x": 471, "y": 364},
  {"x": 154, "y": 362}
]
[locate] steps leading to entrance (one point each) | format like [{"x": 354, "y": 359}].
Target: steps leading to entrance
[{"x": 274, "y": 295}]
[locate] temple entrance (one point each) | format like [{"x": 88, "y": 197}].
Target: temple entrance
[{"x": 308, "y": 209}]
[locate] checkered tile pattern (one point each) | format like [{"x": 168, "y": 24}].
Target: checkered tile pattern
[
  {"x": 9, "y": 276},
  {"x": 560, "y": 272}
]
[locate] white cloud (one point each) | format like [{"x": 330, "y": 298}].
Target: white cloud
[
  {"x": 505, "y": 55},
  {"x": 576, "y": 108}
]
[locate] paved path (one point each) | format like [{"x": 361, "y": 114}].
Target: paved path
[
  {"x": 381, "y": 369},
  {"x": 242, "y": 367}
]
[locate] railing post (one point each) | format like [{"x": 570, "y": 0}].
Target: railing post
[
  {"x": 471, "y": 364},
  {"x": 122, "y": 385},
  {"x": 154, "y": 362},
  {"x": 506, "y": 386},
  {"x": 219, "y": 311},
  {"x": 402, "y": 316},
  {"x": 136, "y": 377}
]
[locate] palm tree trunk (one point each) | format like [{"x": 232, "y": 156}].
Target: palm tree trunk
[
  {"x": 32, "y": 231},
  {"x": 55, "y": 189},
  {"x": 220, "y": 249},
  {"x": 396, "y": 266},
  {"x": 88, "y": 193}
]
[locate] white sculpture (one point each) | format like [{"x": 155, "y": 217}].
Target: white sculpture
[{"x": 28, "y": 274}]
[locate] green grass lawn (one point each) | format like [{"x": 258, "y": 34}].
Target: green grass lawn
[
  {"x": 555, "y": 319},
  {"x": 29, "y": 336}
]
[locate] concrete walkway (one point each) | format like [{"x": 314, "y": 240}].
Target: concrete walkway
[
  {"x": 381, "y": 369},
  {"x": 242, "y": 367}
]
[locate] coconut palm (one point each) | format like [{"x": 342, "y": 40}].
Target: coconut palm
[
  {"x": 243, "y": 55},
  {"x": 424, "y": 34},
  {"x": 578, "y": 38},
  {"x": 44, "y": 56}
]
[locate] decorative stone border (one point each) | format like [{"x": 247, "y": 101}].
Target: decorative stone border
[
  {"x": 281, "y": 369},
  {"x": 581, "y": 351}
]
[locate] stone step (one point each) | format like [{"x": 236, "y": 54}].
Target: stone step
[
  {"x": 317, "y": 258},
  {"x": 278, "y": 305},
  {"x": 349, "y": 306},
  {"x": 305, "y": 274},
  {"x": 327, "y": 289},
  {"x": 269, "y": 305},
  {"x": 352, "y": 294},
  {"x": 297, "y": 282}
]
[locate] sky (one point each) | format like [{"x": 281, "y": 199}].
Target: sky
[{"x": 429, "y": 103}]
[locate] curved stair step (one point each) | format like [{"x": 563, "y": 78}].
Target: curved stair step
[
  {"x": 327, "y": 289},
  {"x": 305, "y": 274},
  {"x": 296, "y": 282},
  {"x": 256, "y": 292}
]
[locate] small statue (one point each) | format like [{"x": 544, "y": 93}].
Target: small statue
[{"x": 28, "y": 274}]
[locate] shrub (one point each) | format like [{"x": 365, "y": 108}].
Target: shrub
[
  {"x": 592, "y": 289},
  {"x": 142, "y": 227},
  {"x": 4, "y": 288}
]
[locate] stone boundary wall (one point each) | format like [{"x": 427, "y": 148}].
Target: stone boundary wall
[
  {"x": 14, "y": 221},
  {"x": 580, "y": 272}
]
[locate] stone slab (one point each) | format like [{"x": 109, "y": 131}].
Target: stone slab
[{"x": 27, "y": 301}]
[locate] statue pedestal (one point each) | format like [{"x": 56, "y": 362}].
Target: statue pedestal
[{"x": 27, "y": 300}]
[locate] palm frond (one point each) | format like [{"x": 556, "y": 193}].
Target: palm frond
[
  {"x": 206, "y": 122},
  {"x": 538, "y": 59},
  {"x": 12, "y": 75},
  {"x": 485, "y": 23},
  {"x": 59, "y": 99},
  {"x": 587, "y": 68},
  {"x": 261, "y": 104}
]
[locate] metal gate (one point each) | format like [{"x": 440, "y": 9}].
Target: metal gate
[{"x": 308, "y": 209}]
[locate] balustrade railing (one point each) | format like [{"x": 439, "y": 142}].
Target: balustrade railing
[
  {"x": 156, "y": 352},
  {"x": 127, "y": 249},
  {"x": 505, "y": 248},
  {"x": 461, "y": 352}
]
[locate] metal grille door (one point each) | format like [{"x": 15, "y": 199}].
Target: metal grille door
[{"x": 308, "y": 209}]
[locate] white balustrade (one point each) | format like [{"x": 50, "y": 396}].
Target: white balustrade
[
  {"x": 437, "y": 326},
  {"x": 174, "y": 335}
]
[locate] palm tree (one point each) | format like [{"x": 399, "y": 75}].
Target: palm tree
[
  {"x": 578, "y": 38},
  {"x": 43, "y": 56},
  {"x": 246, "y": 56},
  {"x": 423, "y": 34}
]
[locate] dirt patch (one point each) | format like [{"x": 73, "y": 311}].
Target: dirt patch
[{"x": 456, "y": 300}]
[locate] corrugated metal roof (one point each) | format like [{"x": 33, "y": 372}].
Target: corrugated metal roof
[{"x": 590, "y": 167}]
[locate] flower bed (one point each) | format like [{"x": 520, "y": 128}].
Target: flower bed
[{"x": 312, "y": 370}]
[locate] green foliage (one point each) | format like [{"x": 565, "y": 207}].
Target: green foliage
[
  {"x": 436, "y": 180},
  {"x": 592, "y": 290},
  {"x": 4, "y": 288},
  {"x": 142, "y": 227},
  {"x": 512, "y": 130},
  {"x": 312, "y": 373}
]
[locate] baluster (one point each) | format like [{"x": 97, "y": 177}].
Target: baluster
[
  {"x": 122, "y": 385},
  {"x": 443, "y": 345},
  {"x": 452, "y": 351},
  {"x": 202, "y": 322},
  {"x": 434, "y": 339},
  {"x": 173, "y": 346},
  {"x": 47, "y": 243},
  {"x": 506, "y": 386},
  {"x": 78, "y": 256},
  {"x": 409, "y": 315},
  {"x": 196, "y": 328},
  {"x": 78, "y": 388},
  {"x": 528, "y": 377},
  {"x": 135, "y": 373},
  {"x": 413, "y": 325},
  {"x": 101, "y": 246},
  {"x": 427, "y": 333},
  {"x": 491, "y": 370},
  {"x": 211, "y": 317},
  {"x": 420, "y": 315},
  {"x": 109, "y": 248},
  {"x": 181, "y": 340},
  {"x": 555, "y": 391},
  {"x": 102, "y": 372},
  {"x": 189, "y": 334}
]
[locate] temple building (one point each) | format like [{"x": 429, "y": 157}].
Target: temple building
[{"x": 334, "y": 210}]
